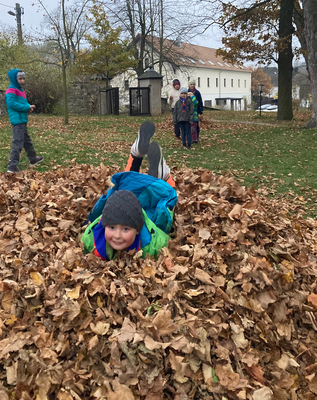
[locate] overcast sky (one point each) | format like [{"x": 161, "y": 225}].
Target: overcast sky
[{"x": 33, "y": 16}]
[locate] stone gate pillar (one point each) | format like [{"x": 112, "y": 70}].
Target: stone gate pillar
[{"x": 153, "y": 80}]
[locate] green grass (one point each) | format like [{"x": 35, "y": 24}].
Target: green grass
[{"x": 276, "y": 157}]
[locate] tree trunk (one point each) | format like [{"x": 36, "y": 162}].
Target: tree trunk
[
  {"x": 310, "y": 33},
  {"x": 285, "y": 59},
  {"x": 298, "y": 18},
  {"x": 161, "y": 35},
  {"x": 65, "y": 93}
]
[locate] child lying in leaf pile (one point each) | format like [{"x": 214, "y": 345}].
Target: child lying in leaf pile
[{"x": 137, "y": 211}]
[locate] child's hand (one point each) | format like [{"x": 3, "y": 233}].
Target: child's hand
[
  {"x": 190, "y": 93},
  {"x": 171, "y": 97},
  {"x": 32, "y": 108}
]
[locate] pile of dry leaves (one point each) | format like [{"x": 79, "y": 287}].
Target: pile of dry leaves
[{"x": 228, "y": 311}]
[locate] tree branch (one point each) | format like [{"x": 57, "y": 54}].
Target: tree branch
[{"x": 246, "y": 11}]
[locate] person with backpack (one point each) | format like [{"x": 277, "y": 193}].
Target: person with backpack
[{"x": 137, "y": 211}]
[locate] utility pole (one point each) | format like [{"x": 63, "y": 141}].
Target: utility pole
[
  {"x": 18, "y": 12},
  {"x": 19, "y": 25}
]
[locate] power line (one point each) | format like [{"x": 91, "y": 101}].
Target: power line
[{"x": 5, "y": 5}]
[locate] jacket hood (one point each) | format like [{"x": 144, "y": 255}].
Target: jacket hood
[{"x": 13, "y": 77}]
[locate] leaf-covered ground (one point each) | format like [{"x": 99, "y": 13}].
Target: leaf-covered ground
[
  {"x": 276, "y": 157},
  {"x": 228, "y": 311}
]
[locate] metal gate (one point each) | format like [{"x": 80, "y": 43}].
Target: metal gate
[
  {"x": 109, "y": 101},
  {"x": 139, "y": 101}
]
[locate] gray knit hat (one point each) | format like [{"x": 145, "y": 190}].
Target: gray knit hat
[
  {"x": 123, "y": 207},
  {"x": 20, "y": 74},
  {"x": 183, "y": 90}
]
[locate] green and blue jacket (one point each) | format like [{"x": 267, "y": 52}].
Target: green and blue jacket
[{"x": 157, "y": 199}]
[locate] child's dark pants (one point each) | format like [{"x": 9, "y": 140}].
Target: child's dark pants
[
  {"x": 20, "y": 139},
  {"x": 186, "y": 135}
]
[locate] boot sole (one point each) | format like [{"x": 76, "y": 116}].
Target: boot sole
[
  {"x": 154, "y": 156},
  {"x": 147, "y": 130}
]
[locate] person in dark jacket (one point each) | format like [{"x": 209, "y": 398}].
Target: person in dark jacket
[
  {"x": 200, "y": 107},
  {"x": 183, "y": 115},
  {"x": 18, "y": 109}
]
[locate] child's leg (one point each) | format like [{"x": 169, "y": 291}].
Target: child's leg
[
  {"x": 189, "y": 135},
  {"x": 133, "y": 164},
  {"x": 158, "y": 166},
  {"x": 182, "y": 128},
  {"x": 198, "y": 130},
  {"x": 29, "y": 148},
  {"x": 194, "y": 132},
  {"x": 177, "y": 131},
  {"x": 140, "y": 146},
  {"x": 17, "y": 145}
]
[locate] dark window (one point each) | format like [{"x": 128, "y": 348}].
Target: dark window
[
  {"x": 198, "y": 81},
  {"x": 126, "y": 84},
  {"x": 224, "y": 82},
  {"x": 208, "y": 82},
  {"x": 231, "y": 82},
  {"x": 216, "y": 82}
]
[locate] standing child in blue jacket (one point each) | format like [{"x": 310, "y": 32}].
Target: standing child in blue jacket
[{"x": 18, "y": 108}]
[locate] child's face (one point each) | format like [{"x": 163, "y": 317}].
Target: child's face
[
  {"x": 183, "y": 95},
  {"x": 21, "y": 81},
  {"x": 177, "y": 86},
  {"x": 120, "y": 237}
]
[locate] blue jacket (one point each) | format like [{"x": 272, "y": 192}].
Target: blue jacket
[
  {"x": 17, "y": 103},
  {"x": 157, "y": 199}
]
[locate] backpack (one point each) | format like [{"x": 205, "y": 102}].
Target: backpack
[{"x": 157, "y": 197}]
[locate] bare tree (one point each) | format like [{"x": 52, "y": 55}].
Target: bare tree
[
  {"x": 144, "y": 20},
  {"x": 67, "y": 28}
]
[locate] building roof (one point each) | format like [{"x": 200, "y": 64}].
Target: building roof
[{"x": 192, "y": 55}]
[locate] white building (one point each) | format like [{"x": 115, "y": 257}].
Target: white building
[{"x": 222, "y": 85}]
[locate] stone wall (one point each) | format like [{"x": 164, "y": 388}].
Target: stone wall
[
  {"x": 83, "y": 97},
  {"x": 3, "y": 108},
  {"x": 165, "y": 107}
]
